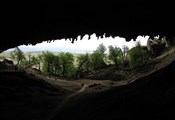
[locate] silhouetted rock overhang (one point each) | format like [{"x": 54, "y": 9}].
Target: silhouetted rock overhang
[{"x": 31, "y": 23}]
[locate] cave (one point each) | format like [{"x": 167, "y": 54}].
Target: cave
[{"x": 149, "y": 97}]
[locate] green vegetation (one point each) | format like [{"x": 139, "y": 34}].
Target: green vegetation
[
  {"x": 102, "y": 64},
  {"x": 138, "y": 56},
  {"x": 1, "y": 57},
  {"x": 115, "y": 55},
  {"x": 67, "y": 64},
  {"x": 125, "y": 50},
  {"x": 18, "y": 56},
  {"x": 83, "y": 65}
]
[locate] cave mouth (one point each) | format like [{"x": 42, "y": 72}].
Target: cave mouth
[
  {"x": 78, "y": 44},
  {"x": 99, "y": 52}
]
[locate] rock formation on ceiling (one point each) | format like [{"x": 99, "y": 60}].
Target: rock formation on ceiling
[{"x": 31, "y": 22}]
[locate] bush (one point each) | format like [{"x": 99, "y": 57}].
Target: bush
[{"x": 138, "y": 56}]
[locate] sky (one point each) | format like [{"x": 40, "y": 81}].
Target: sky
[{"x": 81, "y": 46}]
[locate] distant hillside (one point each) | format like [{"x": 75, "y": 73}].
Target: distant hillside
[{"x": 6, "y": 54}]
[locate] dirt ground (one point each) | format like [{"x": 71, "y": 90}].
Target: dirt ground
[{"x": 75, "y": 85}]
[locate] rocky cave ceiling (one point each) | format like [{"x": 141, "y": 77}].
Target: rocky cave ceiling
[{"x": 31, "y": 22}]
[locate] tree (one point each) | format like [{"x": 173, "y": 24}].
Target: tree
[
  {"x": 115, "y": 55},
  {"x": 48, "y": 58},
  {"x": 17, "y": 55},
  {"x": 12, "y": 56},
  {"x": 61, "y": 64},
  {"x": 97, "y": 61},
  {"x": 67, "y": 64},
  {"x": 101, "y": 49},
  {"x": 97, "y": 58},
  {"x": 29, "y": 59},
  {"x": 40, "y": 58},
  {"x": 34, "y": 61},
  {"x": 138, "y": 56},
  {"x": 26, "y": 62},
  {"x": 56, "y": 65},
  {"x": 125, "y": 49},
  {"x": 82, "y": 59},
  {"x": 1, "y": 57}
]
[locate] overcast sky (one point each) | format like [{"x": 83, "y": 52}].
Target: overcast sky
[{"x": 81, "y": 46}]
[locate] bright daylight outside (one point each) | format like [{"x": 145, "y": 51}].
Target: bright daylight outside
[{"x": 81, "y": 46}]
